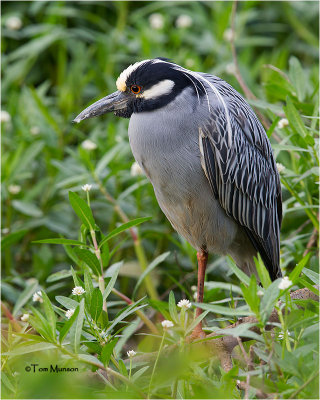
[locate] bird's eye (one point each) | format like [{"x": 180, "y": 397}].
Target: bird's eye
[{"x": 135, "y": 89}]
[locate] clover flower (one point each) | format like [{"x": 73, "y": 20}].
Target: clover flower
[
  {"x": 78, "y": 291},
  {"x": 136, "y": 169},
  {"x": 25, "y": 317},
  {"x": 166, "y": 324},
  {"x": 5, "y": 116},
  {"x": 284, "y": 283},
  {"x": 86, "y": 187},
  {"x": 37, "y": 296},
  {"x": 13, "y": 23},
  {"x": 283, "y": 123},
  {"x": 131, "y": 353},
  {"x": 88, "y": 145},
  {"x": 281, "y": 168},
  {"x": 156, "y": 21},
  {"x": 184, "y": 21},
  {"x": 69, "y": 313},
  {"x": 14, "y": 189},
  {"x": 184, "y": 304}
]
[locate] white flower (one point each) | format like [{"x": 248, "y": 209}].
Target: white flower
[
  {"x": 25, "y": 317},
  {"x": 34, "y": 130},
  {"x": 4, "y": 231},
  {"x": 37, "y": 296},
  {"x": 281, "y": 168},
  {"x": 136, "y": 169},
  {"x": 156, "y": 21},
  {"x": 195, "y": 296},
  {"x": 69, "y": 313},
  {"x": 78, "y": 290},
  {"x": 86, "y": 187},
  {"x": 284, "y": 283},
  {"x": 14, "y": 23},
  {"x": 14, "y": 189},
  {"x": 282, "y": 123},
  {"x": 230, "y": 69},
  {"x": 183, "y": 21},
  {"x": 184, "y": 304},
  {"x": 228, "y": 35},
  {"x": 166, "y": 324},
  {"x": 5, "y": 116},
  {"x": 131, "y": 353},
  {"x": 194, "y": 288},
  {"x": 281, "y": 335},
  {"x": 260, "y": 293},
  {"x": 88, "y": 145}
]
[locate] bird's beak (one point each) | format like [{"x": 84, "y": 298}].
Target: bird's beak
[{"x": 115, "y": 101}]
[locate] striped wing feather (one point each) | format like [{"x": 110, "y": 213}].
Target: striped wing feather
[{"x": 243, "y": 176}]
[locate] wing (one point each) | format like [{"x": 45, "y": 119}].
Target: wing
[{"x": 237, "y": 159}]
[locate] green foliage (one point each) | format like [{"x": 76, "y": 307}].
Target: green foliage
[{"x": 63, "y": 57}]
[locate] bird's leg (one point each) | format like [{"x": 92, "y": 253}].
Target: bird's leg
[{"x": 202, "y": 257}]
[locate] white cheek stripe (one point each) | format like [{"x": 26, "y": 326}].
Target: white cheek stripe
[{"x": 157, "y": 90}]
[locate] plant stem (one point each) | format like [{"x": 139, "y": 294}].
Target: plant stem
[
  {"x": 156, "y": 362},
  {"x": 135, "y": 237},
  {"x": 98, "y": 255},
  {"x": 140, "y": 314}
]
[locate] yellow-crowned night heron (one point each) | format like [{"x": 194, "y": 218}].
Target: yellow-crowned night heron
[{"x": 208, "y": 158}]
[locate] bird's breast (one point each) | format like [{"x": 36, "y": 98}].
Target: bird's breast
[{"x": 168, "y": 152}]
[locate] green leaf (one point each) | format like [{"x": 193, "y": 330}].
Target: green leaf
[
  {"x": 66, "y": 302},
  {"x": 50, "y": 315},
  {"x": 298, "y": 77},
  {"x": 123, "y": 368},
  {"x": 107, "y": 351},
  {"x": 240, "y": 274},
  {"x": 112, "y": 280},
  {"x": 12, "y": 238},
  {"x": 242, "y": 330},
  {"x": 89, "y": 359},
  {"x": 96, "y": 304},
  {"x": 191, "y": 327},
  {"x": 262, "y": 272},
  {"x": 90, "y": 259},
  {"x": 40, "y": 324},
  {"x": 77, "y": 281},
  {"x": 27, "y": 208},
  {"x": 57, "y": 276},
  {"x": 269, "y": 299},
  {"x": 68, "y": 324},
  {"x": 30, "y": 348},
  {"x": 61, "y": 241},
  {"x": 25, "y": 296},
  {"x": 298, "y": 268},
  {"x": 313, "y": 276},
  {"x": 88, "y": 285},
  {"x": 82, "y": 209},
  {"x": 123, "y": 227},
  {"x": 294, "y": 118},
  {"x": 76, "y": 329},
  {"x": 150, "y": 267},
  {"x": 250, "y": 294},
  {"x": 224, "y": 310},
  {"x": 172, "y": 307}
]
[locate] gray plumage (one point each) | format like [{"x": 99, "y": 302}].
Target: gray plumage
[{"x": 212, "y": 169}]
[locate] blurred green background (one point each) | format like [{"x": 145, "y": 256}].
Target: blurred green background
[{"x": 60, "y": 56}]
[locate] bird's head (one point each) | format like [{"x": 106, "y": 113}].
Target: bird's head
[{"x": 143, "y": 86}]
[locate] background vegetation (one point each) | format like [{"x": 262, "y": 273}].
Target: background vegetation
[{"x": 57, "y": 58}]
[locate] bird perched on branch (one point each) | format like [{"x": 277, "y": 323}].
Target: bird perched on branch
[{"x": 208, "y": 158}]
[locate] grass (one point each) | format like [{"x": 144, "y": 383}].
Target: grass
[{"x": 63, "y": 57}]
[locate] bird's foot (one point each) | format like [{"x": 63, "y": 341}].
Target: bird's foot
[{"x": 196, "y": 334}]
